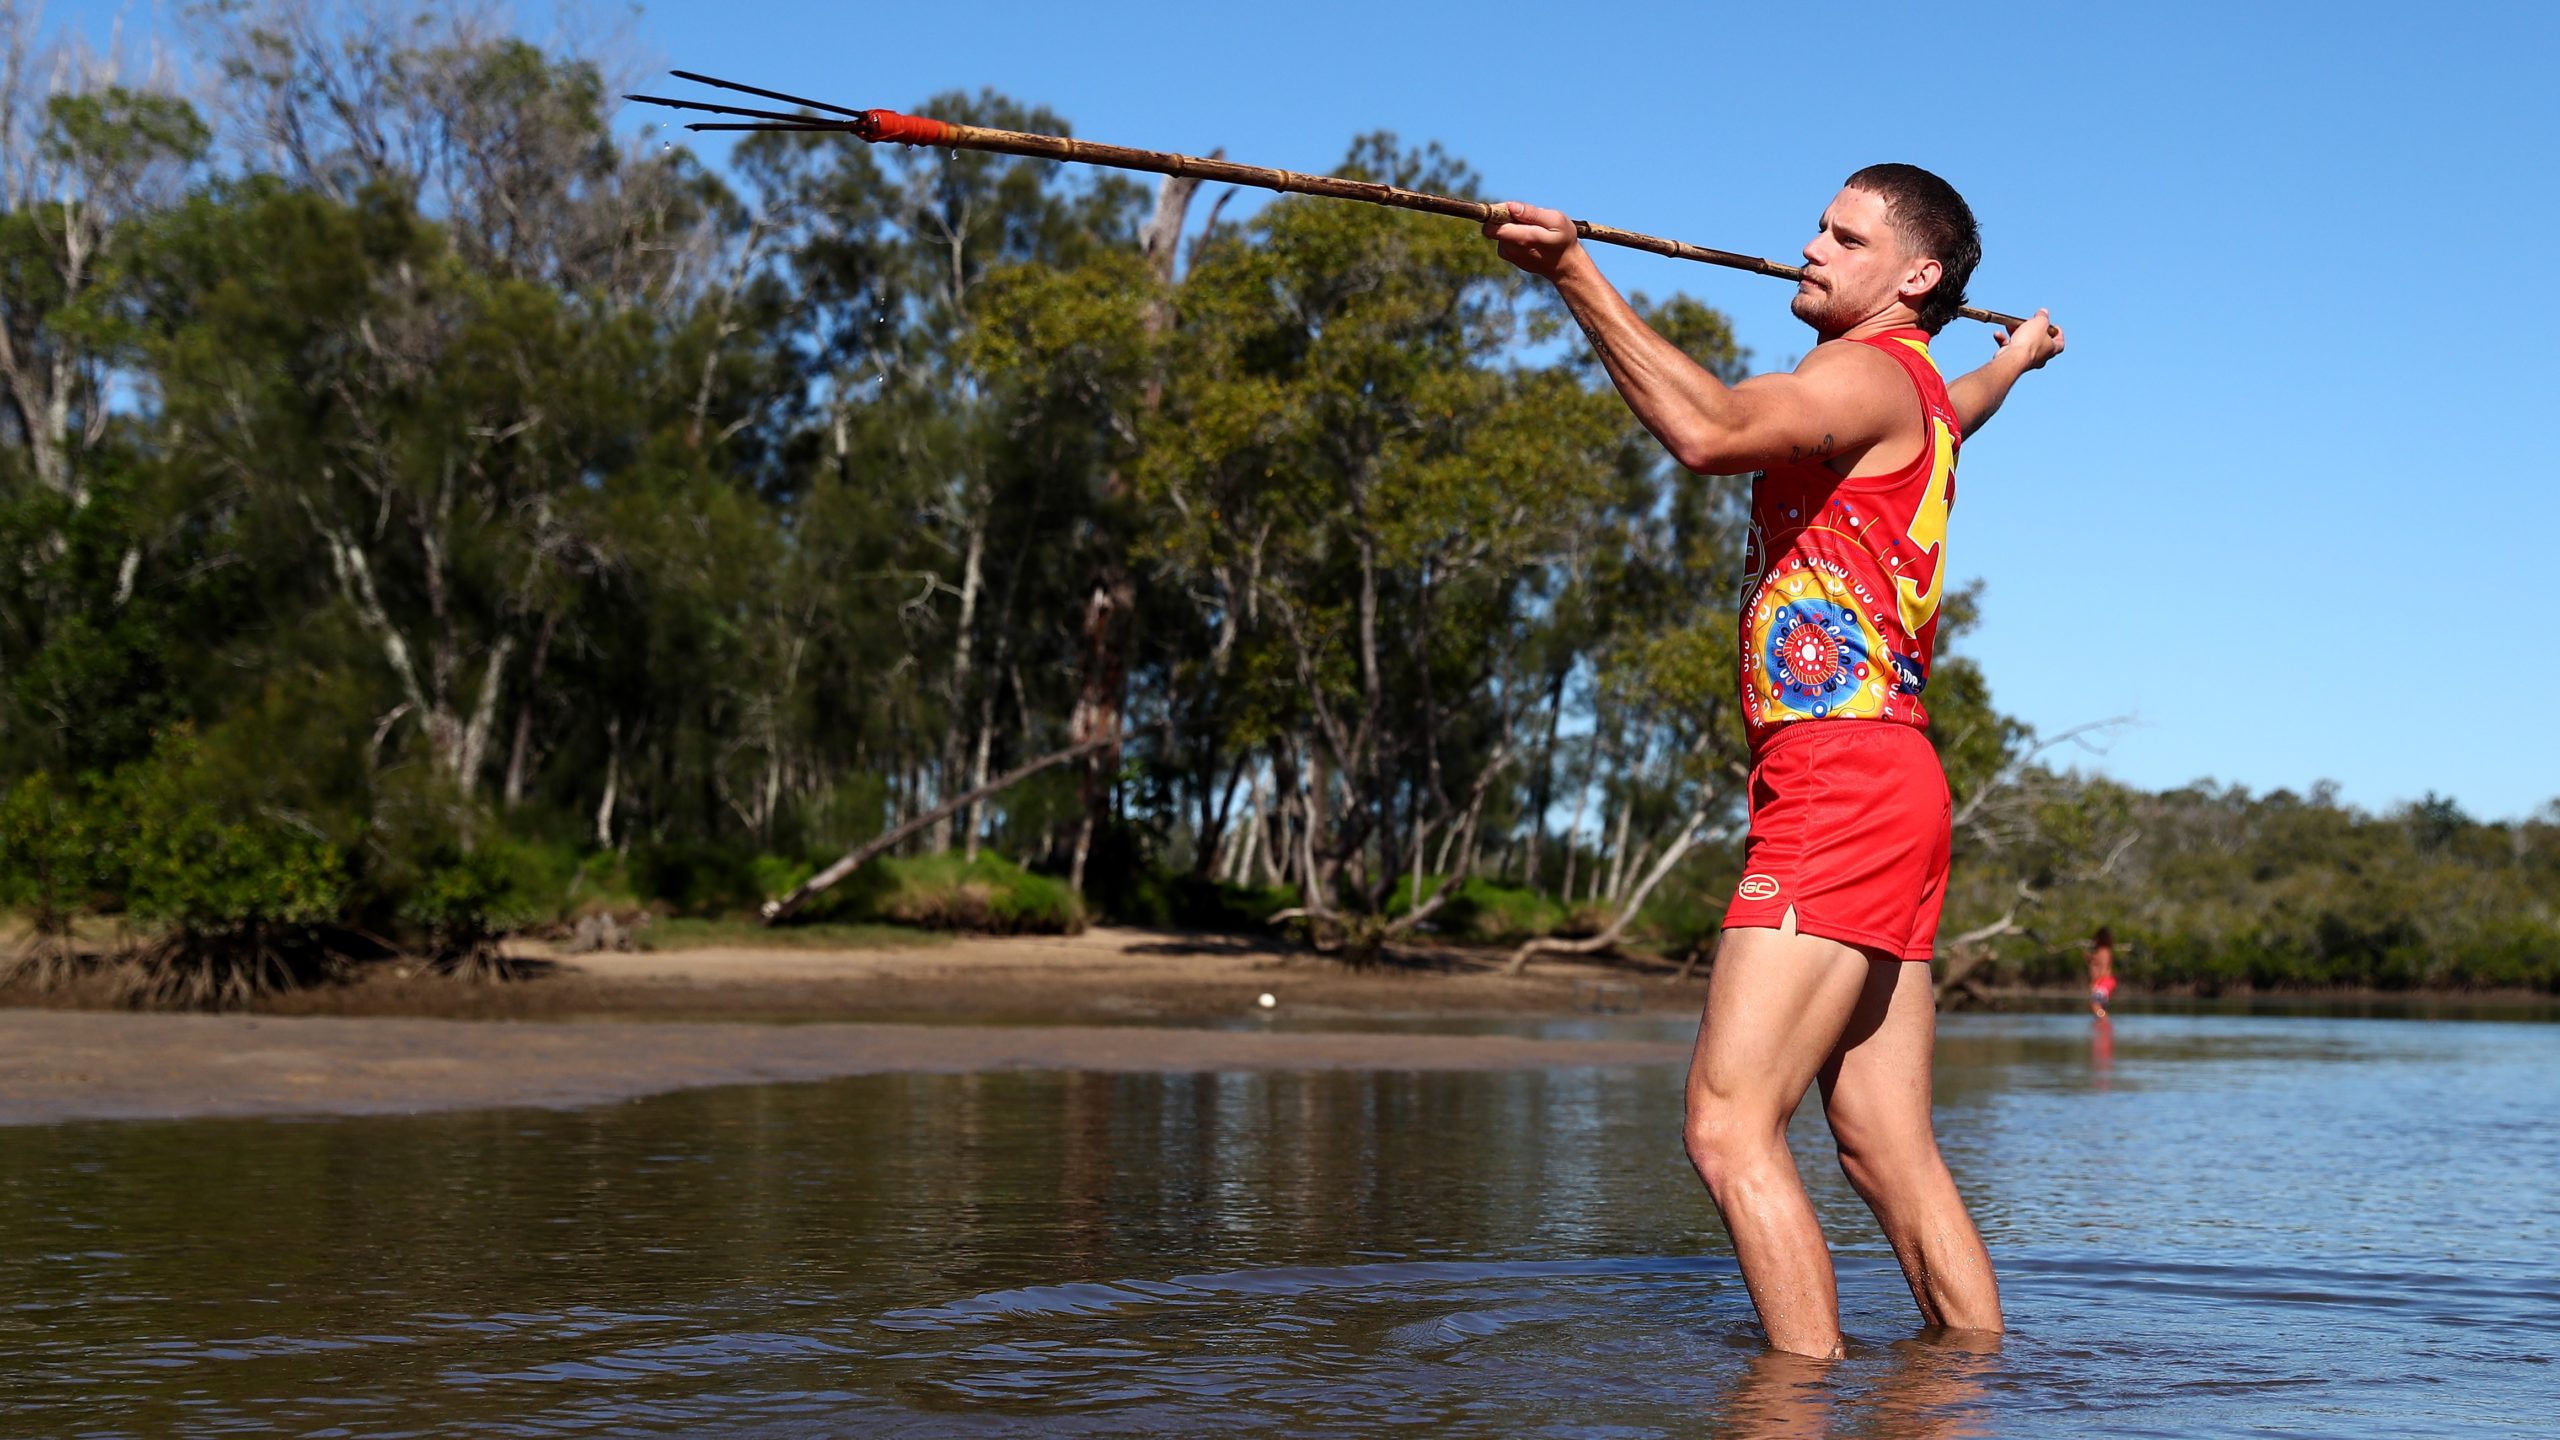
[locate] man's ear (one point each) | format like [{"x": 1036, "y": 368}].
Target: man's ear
[{"x": 1922, "y": 278}]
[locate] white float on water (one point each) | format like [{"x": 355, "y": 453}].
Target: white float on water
[{"x": 1268, "y": 1000}]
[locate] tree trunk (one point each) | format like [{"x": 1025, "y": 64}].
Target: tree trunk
[
  {"x": 1111, "y": 596},
  {"x": 1239, "y": 867},
  {"x": 1274, "y": 855},
  {"x": 1314, "y": 884},
  {"x": 612, "y": 784},
  {"x": 474, "y": 744},
  {"x": 1618, "y": 842},
  {"x": 1097, "y": 713},
  {"x": 519, "y": 754},
  {"x": 1573, "y": 841},
  {"x": 978, "y": 773},
  {"x": 1280, "y": 853},
  {"x": 957, "y": 689},
  {"x": 1545, "y": 793},
  {"x": 1635, "y": 866},
  {"x": 1216, "y": 823},
  {"x": 1160, "y": 243}
]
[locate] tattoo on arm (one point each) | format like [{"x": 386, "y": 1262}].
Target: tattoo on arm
[
  {"x": 1811, "y": 452},
  {"x": 1591, "y": 333}
]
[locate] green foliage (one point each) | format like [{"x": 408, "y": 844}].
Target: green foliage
[
  {"x": 120, "y": 132},
  {"x": 1485, "y": 911},
  {"x": 774, "y": 875},
  {"x": 698, "y": 877},
  {"x": 1165, "y": 899},
  {"x": 990, "y": 895},
  {"x": 201, "y": 860},
  {"x": 466, "y": 900},
  {"x": 243, "y": 893},
  {"x": 99, "y": 665},
  {"x": 689, "y": 933},
  {"x": 52, "y": 856},
  {"x": 2218, "y": 889}
]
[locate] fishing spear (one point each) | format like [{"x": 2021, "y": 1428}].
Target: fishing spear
[{"x": 880, "y": 127}]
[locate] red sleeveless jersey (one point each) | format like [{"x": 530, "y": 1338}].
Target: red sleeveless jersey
[{"x": 1843, "y": 577}]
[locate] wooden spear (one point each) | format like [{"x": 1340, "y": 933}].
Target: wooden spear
[{"x": 884, "y": 126}]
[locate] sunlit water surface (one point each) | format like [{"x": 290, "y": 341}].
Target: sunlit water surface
[{"x": 2205, "y": 1225}]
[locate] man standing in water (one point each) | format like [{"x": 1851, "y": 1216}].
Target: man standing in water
[
  {"x": 1821, "y": 973},
  {"x": 2102, "y": 971}
]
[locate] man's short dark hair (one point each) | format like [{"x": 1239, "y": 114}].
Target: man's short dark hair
[{"x": 1933, "y": 221}]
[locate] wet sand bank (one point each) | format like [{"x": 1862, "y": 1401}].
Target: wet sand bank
[{"x": 96, "y": 1065}]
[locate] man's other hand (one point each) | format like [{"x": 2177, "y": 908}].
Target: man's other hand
[
  {"x": 1537, "y": 240},
  {"x": 2031, "y": 344}
]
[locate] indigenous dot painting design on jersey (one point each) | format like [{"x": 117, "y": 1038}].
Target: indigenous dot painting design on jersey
[
  {"x": 1843, "y": 578},
  {"x": 1818, "y": 652}
]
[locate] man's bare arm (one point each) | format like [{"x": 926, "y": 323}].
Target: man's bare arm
[
  {"x": 1977, "y": 393},
  {"x": 1832, "y": 405}
]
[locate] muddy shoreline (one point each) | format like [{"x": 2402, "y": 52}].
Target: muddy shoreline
[
  {"x": 89, "y": 1065},
  {"x": 1103, "y": 976},
  {"x": 582, "y": 1030}
]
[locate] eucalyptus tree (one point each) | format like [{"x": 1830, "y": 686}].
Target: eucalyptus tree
[
  {"x": 84, "y": 158},
  {"x": 980, "y": 501},
  {"x": 89, "y": 156},
  {"x": 1355, "y": 490},
  {"x": 484, "y": 314}
]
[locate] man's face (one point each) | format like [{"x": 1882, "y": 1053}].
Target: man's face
[{"x": 1856, "y": 265}]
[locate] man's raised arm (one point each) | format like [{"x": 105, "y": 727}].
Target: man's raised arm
[
  {"x": 1831, "y": 405},
  {"x": 1977, "y": 393}
]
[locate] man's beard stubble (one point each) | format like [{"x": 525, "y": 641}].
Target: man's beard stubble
[{"x": 1820, "y": 309}]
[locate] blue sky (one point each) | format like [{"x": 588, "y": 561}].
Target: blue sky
[{"x": 2283, "y": 502}]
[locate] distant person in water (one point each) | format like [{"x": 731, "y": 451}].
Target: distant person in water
[{"x": 2102, "y": 971}]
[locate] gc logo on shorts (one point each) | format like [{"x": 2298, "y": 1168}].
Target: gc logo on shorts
[{"x": 1848, "y": 833}]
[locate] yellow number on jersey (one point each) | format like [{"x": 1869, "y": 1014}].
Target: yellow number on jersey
[{"x": 1929, "y": 532}]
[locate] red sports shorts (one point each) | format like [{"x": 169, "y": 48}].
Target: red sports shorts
[{"x": 1849, "y": 827}]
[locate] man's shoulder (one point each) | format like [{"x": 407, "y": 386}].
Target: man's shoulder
[
  {"x": 1856, "y": 371},
  {"x": 1849, "y": 357}
]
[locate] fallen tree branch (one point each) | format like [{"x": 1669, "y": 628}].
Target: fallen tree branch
[
  {"x": 776, "y": 911},
  {"x": 2001, "y": 779},
  {"x": 1969, "y": 951},
  {"x": 1617, "y": 926}
]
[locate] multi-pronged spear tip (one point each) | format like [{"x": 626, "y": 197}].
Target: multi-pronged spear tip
[
  {"x": 759, "y": 90},
  {"x": 814, "y": 127},
  {"x": 883, "y": 126},
  {"x": 796, "y": 122}
]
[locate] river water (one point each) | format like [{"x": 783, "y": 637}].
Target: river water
[{"x": 2205, "y": 1225}]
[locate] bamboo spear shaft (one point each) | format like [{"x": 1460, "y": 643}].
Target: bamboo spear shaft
[{"x": 886, "y": 126}]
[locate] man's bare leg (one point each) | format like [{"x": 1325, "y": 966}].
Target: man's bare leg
[
  {"x": 1875, "y": 1090},
  {"x": 1777, "y": 1005}
]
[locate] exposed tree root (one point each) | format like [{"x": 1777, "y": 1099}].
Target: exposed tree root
[
  {"x": 227, "y": 969},
  {"x": 481, "y": 963},
  {"x": 45, "y": 961}
]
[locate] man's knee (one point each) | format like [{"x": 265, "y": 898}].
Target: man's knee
[
  {"x": 1877, "y": 1162},
  {"x": 1723, "y": 1142}
]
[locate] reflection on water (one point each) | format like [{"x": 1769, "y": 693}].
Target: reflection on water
[{"x": 2205, "y": 1225}]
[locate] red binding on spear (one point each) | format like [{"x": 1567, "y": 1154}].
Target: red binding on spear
[{"x": 883, "y": 126}]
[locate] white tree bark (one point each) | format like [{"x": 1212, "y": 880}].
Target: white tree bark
[
  {"x": 1618, "y": 841},
  {"x": 972, "y": 582},
  {"x": 1573, "y": 838},
  {"x": 978, "y": 770},
  {"x": 484, "y": 717},
  {"x": 612, "y": 784}
]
